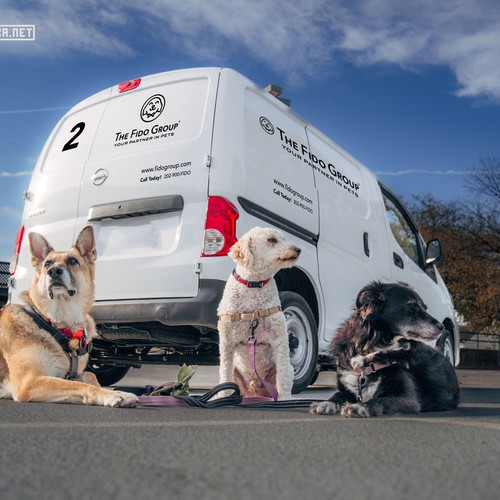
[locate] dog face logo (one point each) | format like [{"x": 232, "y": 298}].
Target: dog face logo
[
  {"x": 266, "y": 125},
  {"x": 152, "y": 108}
]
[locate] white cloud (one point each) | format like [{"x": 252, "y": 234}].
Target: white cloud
[
  {"x": 412, "y": 171},
  {"x": 66, "y": 28},
  {"x": 39, "y": 110},
  {"x": 10, "y": 213},
  {"x": 300, "y": 39},
  {"x": 15, "y": 174}
]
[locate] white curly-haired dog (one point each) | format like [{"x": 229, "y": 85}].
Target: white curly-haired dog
[{"x": 251, "y": 295}]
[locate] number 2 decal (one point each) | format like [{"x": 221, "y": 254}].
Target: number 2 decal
[{"x": 71, "y": 144}]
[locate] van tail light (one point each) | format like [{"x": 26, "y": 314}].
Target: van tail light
[
  {"x": 220, "y": 227},
  {"x": 17, "y": 250}
]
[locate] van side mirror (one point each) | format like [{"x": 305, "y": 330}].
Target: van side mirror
[{"x": 433, "y": 252}]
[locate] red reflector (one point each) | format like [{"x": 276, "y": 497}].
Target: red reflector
[
  {"x": 19, "y": 240},
  {"x": 130, "y": 85},
  {"x": 17, "y": 250}
]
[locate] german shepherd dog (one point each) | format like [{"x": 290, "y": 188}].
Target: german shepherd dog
[
  {"x": 44, "y": 344},
  {"x": 383, "y": 365}
]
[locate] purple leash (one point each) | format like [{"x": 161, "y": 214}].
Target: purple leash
[
  {"x": 235, "y": 399},
  {"x": 252, "y": 341}
]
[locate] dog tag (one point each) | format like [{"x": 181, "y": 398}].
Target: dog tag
[{"x": 74, "y": 344}]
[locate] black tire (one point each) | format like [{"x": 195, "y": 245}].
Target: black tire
[
  {"x": 446, "y": 346},
  {"x": 108, "y": 375},
  {"x": 303, "y": 339}
]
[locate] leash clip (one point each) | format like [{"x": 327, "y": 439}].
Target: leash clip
[
  {"x": 361, "y": 383},
  {"x": 253, "y": 326}
]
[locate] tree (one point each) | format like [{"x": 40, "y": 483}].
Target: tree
[{"x": 470, "y": 236}]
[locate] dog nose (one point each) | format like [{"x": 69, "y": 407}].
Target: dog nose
[
  {"x": 440, "y": 326},
  {"x": 55, "y": 271},
  {"x": 297, "y": 250}
]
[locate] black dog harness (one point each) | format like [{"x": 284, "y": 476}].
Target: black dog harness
[{"x": 74, "y": 347}]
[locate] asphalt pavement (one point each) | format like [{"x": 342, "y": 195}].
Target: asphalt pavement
[{"x": 56, "y": 451}]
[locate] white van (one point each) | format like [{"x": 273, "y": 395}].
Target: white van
[{"x": 170, "y": 169}]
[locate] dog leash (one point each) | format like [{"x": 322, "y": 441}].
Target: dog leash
[
  {"x": 234, "y": 400},
  {"x": 252, "y": 341},
  {"x": 253, "y": 317}
]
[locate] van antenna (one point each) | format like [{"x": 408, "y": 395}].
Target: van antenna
[{"x": 276, "y": 91}]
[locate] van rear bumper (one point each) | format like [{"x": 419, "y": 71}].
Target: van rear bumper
[{"x": 196, "y": 311}]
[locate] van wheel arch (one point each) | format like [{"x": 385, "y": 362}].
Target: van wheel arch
[{"x": 296, "y": 280}]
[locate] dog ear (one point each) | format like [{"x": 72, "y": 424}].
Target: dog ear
[
  {"x": 369, "y": 298},
  {"x": 85, "y": 244},
  {"x": 241, "y": 252},
  {"x": 39, "y": 248}
]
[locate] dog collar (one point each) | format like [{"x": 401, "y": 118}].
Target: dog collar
[
  {"x": 367, "y": 371},
  {"x": 250, "y": 284}
]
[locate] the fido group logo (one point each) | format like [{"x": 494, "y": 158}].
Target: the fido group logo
[
  {"x": 152, "y": 108},
  {"x": 266, "y": 125}
]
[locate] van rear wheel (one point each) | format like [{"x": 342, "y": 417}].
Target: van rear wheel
[
  {"x": 108, "y": 375},
  {"x": 302, "y": 337}
]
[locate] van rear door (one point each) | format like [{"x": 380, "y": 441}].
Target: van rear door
[{"x": 145, "y": 185}]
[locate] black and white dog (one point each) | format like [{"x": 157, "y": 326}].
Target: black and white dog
[{"x": 383, "y": 365}]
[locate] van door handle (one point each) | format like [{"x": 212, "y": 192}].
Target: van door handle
[
  {"x": 136, "y": 208},
  {"x": 366, "y": 244},
  {"x": 398, "y": 261}
]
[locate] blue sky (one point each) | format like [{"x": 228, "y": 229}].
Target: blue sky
[{"x": 411, "y": 89}]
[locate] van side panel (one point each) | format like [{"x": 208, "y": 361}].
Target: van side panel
[
  {"x": 352, "y": 248},
  {"x": 251, "y": 162},
  {"x": 277, "y": 175}
]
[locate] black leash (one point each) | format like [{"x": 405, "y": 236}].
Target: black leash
[{"x": 235, "y": 399}]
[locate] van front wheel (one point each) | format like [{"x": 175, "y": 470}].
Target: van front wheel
[
  {"x": 445, "y": 346},
  {"x": 302, "y": 337}
]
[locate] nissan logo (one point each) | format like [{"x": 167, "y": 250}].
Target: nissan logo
[{"x": 99, "y": 176}]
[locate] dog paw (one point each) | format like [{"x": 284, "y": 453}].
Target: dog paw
[
  {"x": 120, "y": 399},
  {"x": 324, "y": 408},
  {"x": 357, "y": 362},
  {"x": 355, "y": 411}
]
